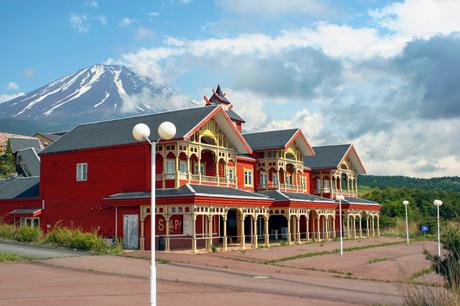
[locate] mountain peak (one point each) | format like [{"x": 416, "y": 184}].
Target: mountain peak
[{"x": 97, "y": 92}]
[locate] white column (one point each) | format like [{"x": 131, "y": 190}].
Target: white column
[
  {"x": 266, "y": 231},
  {"x": 225, "y": 232},
  {"x": 194, "y": 250},
  {"x": 255, "y": 231},
  {"x": 242, "y": 242}
]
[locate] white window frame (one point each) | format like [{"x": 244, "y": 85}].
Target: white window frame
[
  {"x": 29, "y": 221},
  {"x": 170, "y": 174},
  {"x": 203, "y": 168},
  {"x": 82, "y": 172},
  {"x": 248, "y": 181},
  {"x": 263, "y": 179},
  {"x": 183, "y": 166},
  {"x": 275, "y": 179},
  {"x": 231, "y": 172}
]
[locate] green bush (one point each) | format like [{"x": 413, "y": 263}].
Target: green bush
[
  {"x": 77, "y": 239},
  {"x": 28, "y": 234},
  {"x": 7, "y": 231}
]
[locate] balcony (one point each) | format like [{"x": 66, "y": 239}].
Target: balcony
[
  {"x": 196, "y": 178},
  {"x": 282, "y": 187}
]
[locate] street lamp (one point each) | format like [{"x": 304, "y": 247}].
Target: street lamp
[
  {"x": 141, "y": 132},
  {"x": 340, "y": 198},
  {"x": 438, "y": 203},
  {"x": 405, "y": 203}
]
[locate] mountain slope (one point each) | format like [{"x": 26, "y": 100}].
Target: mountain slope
[
  {"x": 95, "y": 93},
  {"x": 442, "y": 183}
]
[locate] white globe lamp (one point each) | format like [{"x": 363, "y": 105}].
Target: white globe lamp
[
  {"x": 167, "y": 130},
  {"x": 141, "y": 132}
]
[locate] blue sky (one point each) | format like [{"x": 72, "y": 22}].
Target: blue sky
[{"x": 380, "y": 74}]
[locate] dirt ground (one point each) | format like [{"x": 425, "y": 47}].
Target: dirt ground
[{"x": 364, "y": 277}]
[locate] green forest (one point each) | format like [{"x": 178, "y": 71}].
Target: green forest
[{"x": 390, "y": 191}]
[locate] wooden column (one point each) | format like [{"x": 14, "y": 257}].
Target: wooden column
[
  {"x": 367, "y": 226},
  {"x": 334, "y": 232},
  {"x": 243, "y": 238},
  {"x": 318, "y": 231},
  {"x": 210, "y": 217},
  {"x": 289, "y": 229},
  {"x": 378, "y": 226},
  {"x": 255, "y": 242},
  {"x": 168, "y": 239},
  {"x": 298, "y": 229},
  {"x": 360, "y": 227},
  {"x": 225, "y": 232},
  {"x": 266, "y": 231},
  {"x": 307, "y": 229},
  {"x": 194, "y": 249}
]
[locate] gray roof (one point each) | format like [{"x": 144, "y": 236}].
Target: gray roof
[
  {"x": 21, "y": 211},
  {"x": 193, "y": 190},
  {"x": 119, "y": 131},
  {"x": 326, "y": 156},
  {"x": 235, "y": 116},
  {"x": 295, "y": 196},
  {"x": 19, "y": 188},
  {"x": 269, "y": 140},
  {"x": 18, "y": 144},
  {"x": 351, "y": 200},
  {"x": 29, "y": 161}
]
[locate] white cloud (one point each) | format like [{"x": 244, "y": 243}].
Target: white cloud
[
  {"x": 420, "y": 18},
  {"x": 154, "y": 14},
  {"x": 12, "y": 85},
  {"x": 92, "y": 4},
  {"x": 101, "y": 18},
  {"x": 79, "y": 23},
  {"x": 126, "y": 22},
  {"x": 5, "y": 98},
  {"x": 144, "y": 33},
  {"x": 275, "y": 7}
]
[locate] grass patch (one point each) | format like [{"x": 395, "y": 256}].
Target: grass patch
[
  {"x": 376, "y": 260},
  {"x": 11, "y": 257},
  {"x": 73, "y": 238},
  {"x": 163, "y": 261},
  {"x": 312, "y": 254},
  {"x": 417, "y": 274}
]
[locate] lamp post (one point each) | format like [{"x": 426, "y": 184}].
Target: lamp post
[
  {"x": 141, "y": 132},
  {"x": 438, "y": 203},
  {"x": 340, "y": 198},
  {"x": 405, "y": 203}
]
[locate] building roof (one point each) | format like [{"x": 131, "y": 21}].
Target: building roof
[
  {"x": 359, "y": 201},
  {"x": 193, "y": 190},
  {"x": 219, "y": 95},
  {"x": 52, "y": 137},
  {"x": 331, "y": 156},
  {"x": 18, "y": 144},
  {"x": 19, "y": 188},
  {"x": 26, "y": 211},
  {"x": 234, "y": 116},
  {"x": 119, "y": 131},
  {"x": 295, "y": 196},
  {"x": 279, "y": 139},
  {"x": 29, "y": 161}
]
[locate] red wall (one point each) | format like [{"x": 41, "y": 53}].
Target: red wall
[
  {"x": 110, "y": 170},
  {"x": 240, "y": 166}
]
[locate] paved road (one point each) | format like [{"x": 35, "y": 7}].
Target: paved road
[{"x": 37, "y": 252}]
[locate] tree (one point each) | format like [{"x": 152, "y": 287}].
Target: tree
[{"x": 7, "y": 162}]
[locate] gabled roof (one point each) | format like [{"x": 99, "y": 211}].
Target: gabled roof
[
  {"x": 29, "y": 161},
  {"x": 219, "y": 95},
  {"x": 234, "y": 116},
  {"x": 19, "y": 188},
  {"x": 51, "y": 137},
  {"x": 119, "y": 131},
  {"x": 359, "y": 201},
  {"x": 295, "y": 196},
  {"x": 193, "y": 190},
  {"x": 280, "y": 139},
  {"x": 18, "y": 144},
  {"x": 330, "y": 157}
]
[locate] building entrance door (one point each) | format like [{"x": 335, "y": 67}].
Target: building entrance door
[{"x": 131, "y": 232}]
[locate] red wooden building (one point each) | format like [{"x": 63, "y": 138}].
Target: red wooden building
[{"x": 215, "y": 185}]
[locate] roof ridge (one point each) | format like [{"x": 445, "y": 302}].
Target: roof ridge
[
  {"x": 283, "y": 130},
  {"x": 19, "y": 178},
  {"x": 336, "y": 145},
  {"x": 146, "y": 115}
]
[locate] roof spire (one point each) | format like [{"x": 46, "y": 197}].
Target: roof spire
[{"x": 219, "y": 90}]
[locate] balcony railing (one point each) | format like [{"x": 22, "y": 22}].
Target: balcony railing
[{"x": 221, "y": 181}]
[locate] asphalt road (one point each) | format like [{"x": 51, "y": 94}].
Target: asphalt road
[{"x": 37, "y": 252}]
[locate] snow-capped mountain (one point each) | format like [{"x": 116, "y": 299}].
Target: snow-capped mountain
[{"x": 95, "y": 93}]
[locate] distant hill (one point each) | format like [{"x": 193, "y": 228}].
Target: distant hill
[{"x": 447, "y": 183}]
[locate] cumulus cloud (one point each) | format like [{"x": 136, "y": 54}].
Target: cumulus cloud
[
  {"x": 126, "y": 21},
  {"x": 391, "y": 90}
]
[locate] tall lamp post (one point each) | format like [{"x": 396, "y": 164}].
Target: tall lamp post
[
  {"x": 340, "y": 198},
  {"x": 438, "y": 203},
  {"x": 141, "y": 132},
  {"x": 405, "y": 203}
]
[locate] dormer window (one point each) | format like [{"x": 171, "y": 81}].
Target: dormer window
[{"x": 82, "y": 172}]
